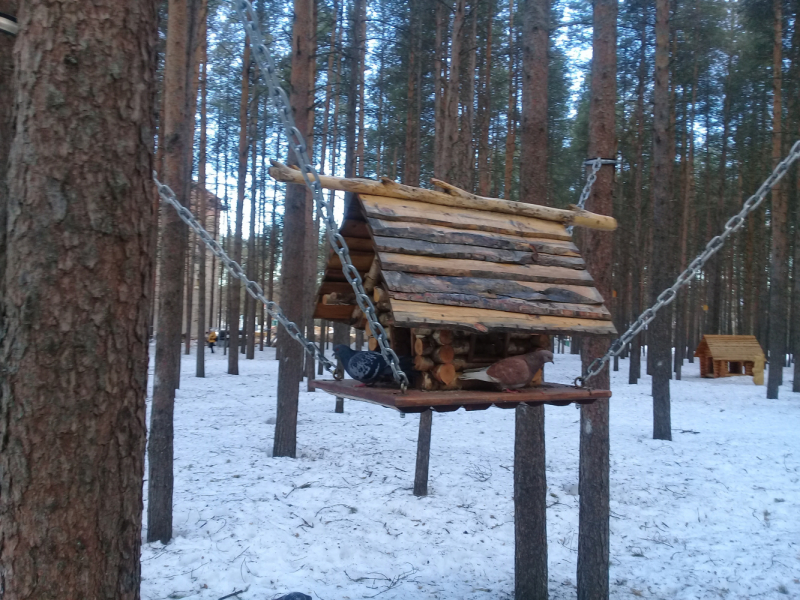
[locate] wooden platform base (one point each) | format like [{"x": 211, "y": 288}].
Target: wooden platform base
[{"x": 416, "y": 401}]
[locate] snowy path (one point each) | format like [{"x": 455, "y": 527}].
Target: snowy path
[{"x": 714, "y": 514}]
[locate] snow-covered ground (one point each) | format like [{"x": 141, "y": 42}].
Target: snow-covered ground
[{"x": 712, "y": 514}]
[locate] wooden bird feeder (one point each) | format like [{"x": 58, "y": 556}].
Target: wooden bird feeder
[
  {"x": 459, "y": 281},
  {"x": 731, "y": 355}
]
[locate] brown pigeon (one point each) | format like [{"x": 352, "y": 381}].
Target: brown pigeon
[{"x": 513, "y": 372}]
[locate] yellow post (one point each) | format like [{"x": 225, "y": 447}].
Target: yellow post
[{"x": 758, "y": 370}]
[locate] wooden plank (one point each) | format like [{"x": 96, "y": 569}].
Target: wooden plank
[
  {"x": 333, "y": 312},
  {"x": 511, "y": 305},
  {"x": 359, "y": 244},
  {"x": 387, "y": 187},
  {"x": 353, "y": 228},
  {"x": 421, "y": 314},
  {"x": 490, "y": 288},
  {"x": 429, "y": 265},
  {"x": 361, "y": 260},
  {"x": 417, "y": 400},
  {"x": 421, "y": 248},
  {"x": 393, "y": 209},
  {"x": 447, "y": 235}
]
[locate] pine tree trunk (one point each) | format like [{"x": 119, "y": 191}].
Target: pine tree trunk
[
  {"x": 593, "y": 527},
  {"x": 635, "y": 363},
  {"x": 234, "y": 285},
  {"x": 440, "y": 88},
  {"x": 464, "y": 167},
  {"x": 535, "y": 43},
  {"x": 485, "y": 109},
  {"x": 74, "y": 353},
  {"x": 449, "y": 162},
  {"x": 252, "y": 260},
  {"x": 659, "y": 331},
  {"x": 512, "y": 107},
  {"x": 8, "y": 7},
  {"x": 530, "y": 476},
  {"x": 173, "y": 251},
  {"x": 294, "y": 262},
  {"x": 411, "y": 164},
  {"x": 779, "y": 218},
  {"x": 200, "y": 365}
]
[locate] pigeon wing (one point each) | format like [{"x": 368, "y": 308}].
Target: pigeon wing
[
  {"x": 365, "y": 366},
  {"x": 512, "y": 372}
]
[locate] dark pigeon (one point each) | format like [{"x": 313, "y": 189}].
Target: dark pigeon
[{"x": 368, "y": 367}]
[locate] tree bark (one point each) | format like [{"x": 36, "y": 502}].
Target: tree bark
[
  {"x": 8, "y": 7},
  {"x": 449, "y": 163},
  {"x": 660, "y": 331},
  {"x": 411, "y": 164},
  {"x": 440, "y": 88},
  {"x": 294, "y": 243},
  {"x": 485, "y": 109},
  {"x": 635, "y": 363},
  {"x": 512, "y": 107},
  {"x": 200, "y": 365},
  {"x": 234, "y": 285},
  {"x": 779, "y": 267},
  {"x": 74, "y": 349},
  {"x": 252, "y": 260},
  {"x": 593, "y": 527},
  {"x": 535, "y": 45},
  {"x": 173, "y": 251},
  {"x": 530, "y": 504}
]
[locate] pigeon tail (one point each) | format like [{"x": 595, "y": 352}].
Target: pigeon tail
[{"x": 478, "y": 374}]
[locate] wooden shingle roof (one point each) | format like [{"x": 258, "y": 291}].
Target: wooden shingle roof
[
  {"x": 474, "y": 265},
  {"x": 730, "y": 347}
]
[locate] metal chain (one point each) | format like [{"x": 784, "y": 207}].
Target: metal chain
[
  {"x": 235, "y": 269},
  {"x": 297, "y": 143},
  {"x": 734, "y": 224},
  {"x": 595, "y": 163}
]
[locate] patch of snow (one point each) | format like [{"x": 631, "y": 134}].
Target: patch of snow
[{"x": 712, "y": 514}]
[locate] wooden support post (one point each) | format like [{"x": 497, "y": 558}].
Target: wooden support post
[
  {"x": 423, "y": 453},
  {"x": 339, "y": 405},
  {"x": 530, "y": 504}
]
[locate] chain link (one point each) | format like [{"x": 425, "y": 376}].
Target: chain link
[
  {"x": 734, "y": 224},
  {"x": 297, "y": 144},
  {"x": 235, "y": 269}
]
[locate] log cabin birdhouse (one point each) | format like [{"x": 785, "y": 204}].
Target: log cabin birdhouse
[
  {"x": 731, "y": 355},
  {"x": 459, "y": 281}
]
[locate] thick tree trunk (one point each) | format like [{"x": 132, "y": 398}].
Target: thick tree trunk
[
  {"x": 484, "y": 109},
  {"x": 440, "y": 88},
  {"x": 530, "y": 477},
  {"x": 464, "y": 167},
  {"x": 8, "y": 7},
  {"x": 593, "y": 527},
  {"x": 535, "y": 44},
  {"x": 173, "y": 250},
  {"x": 74, "y": 353},
  {"x": 234, "y": 285},
  {"x": 200, "y": 365},
  {"x": 511, "y": 110},
  {"x": 779, "y": 218},
  {"x": 294, "y": 243},
  {"x": 659, "y": 332},
  {"x": 635, "y": 363},
  {"x": 252, "y": 259},
  {"x": 530, "y": 504},
  {"x": 411, "y": 164},
  {"x": 449, "y": 162}
]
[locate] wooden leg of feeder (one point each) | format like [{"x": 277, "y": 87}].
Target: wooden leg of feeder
[
  {"x": 423, "y": 453},
  {"x": 530, "y": 504},
  {"x": 339, "y": 405}
]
